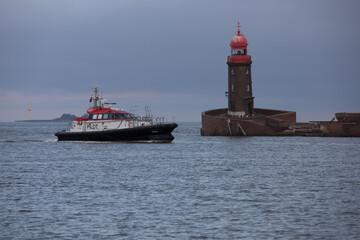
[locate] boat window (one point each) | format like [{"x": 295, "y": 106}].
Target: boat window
[
  {"x": 127, "y": 115},
  {"x": 120, "y": 115},
  {"x": 100, "y": 116},
  {"x": 94, "y": 116},
  {"x": 90, "y": 116},
  {"x": 105, "y": 116}
]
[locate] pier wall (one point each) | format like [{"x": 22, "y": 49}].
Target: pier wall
[
  {"x": 216, "y": 122},
  {"x": 340, "y": 129},
  {"x": 269, "y": 122}
]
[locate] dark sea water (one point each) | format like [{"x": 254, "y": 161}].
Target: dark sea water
[{"x": 194, "y": 188}]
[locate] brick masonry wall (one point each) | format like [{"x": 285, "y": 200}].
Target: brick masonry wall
[
  {"x": 218, "y": 126},
  {"x": 281, "y": 123},
  {"x": 280, "y": 115},
  {"x": 239, "y": 76},
  {"x": 340, "y": 129}
]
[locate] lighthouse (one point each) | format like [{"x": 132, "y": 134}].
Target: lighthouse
[
  {"x": 240, "y": 98},
  {"x": 240, "y": 118}
]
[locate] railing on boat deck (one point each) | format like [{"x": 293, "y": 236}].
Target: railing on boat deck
[
  {"x": 160, "y": 120},
  {"x": 139, "y": 121}
]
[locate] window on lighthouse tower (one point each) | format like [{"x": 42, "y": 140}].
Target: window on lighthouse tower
[{"x": 238, "y": 51}]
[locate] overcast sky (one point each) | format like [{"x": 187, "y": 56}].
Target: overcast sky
[{"x": 171, "y": 55}]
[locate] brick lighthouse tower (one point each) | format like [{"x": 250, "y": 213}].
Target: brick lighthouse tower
[
  {"x": 240, "y": 118},
  {"x": 240, "y": 99}
]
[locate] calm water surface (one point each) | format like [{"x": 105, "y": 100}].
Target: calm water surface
[{"x": 195, "y": 188}]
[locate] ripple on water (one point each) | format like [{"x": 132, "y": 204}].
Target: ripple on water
[{"x": 195, "y": 188}]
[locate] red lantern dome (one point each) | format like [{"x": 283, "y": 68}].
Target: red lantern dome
[
  {"x": 238, "y": 41},
  {"x": 238, "y": 46}
]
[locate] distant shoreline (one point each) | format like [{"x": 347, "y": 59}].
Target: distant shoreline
[
  {"x": 66, "y": 117},
  {"x": 65, "y": 120}
]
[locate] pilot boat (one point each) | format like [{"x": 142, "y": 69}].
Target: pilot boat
[{"x": 105, "y": 123}]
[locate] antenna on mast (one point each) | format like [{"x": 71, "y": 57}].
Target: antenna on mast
[{"x": 238, "y": 27}]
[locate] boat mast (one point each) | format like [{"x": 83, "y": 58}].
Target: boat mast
[{"x": 97, "y": 98}]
